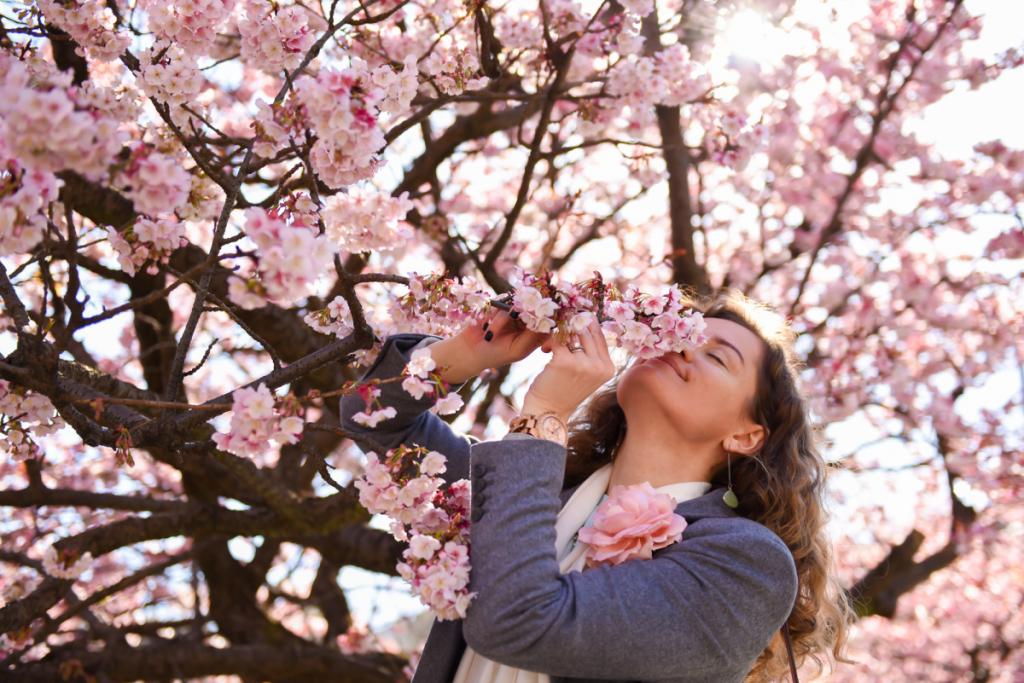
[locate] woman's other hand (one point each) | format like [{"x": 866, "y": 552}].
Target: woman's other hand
[
  {"x": 570, "y": 377},
  {"x": 496, "y": 341}
]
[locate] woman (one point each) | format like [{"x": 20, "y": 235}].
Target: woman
[{"x": 698, "y": 424}]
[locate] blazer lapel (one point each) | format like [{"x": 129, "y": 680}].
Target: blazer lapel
[{"x": 708, "y": 505}]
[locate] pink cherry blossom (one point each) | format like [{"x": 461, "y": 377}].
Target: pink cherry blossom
[
  {"x": 147, "y": 241},
  {"x": 255, "y": 422},
  {"x": 364, "y": 219},
  {"x": 91, "y": 24},
  {"x": 274, "y": 37},
  {"x": 64, "y": 564},
  {"x": 157, "y": 183}
]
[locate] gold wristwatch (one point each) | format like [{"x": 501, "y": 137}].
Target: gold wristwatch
[{"x": 542, "y": 425}]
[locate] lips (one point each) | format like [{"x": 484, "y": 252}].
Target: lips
[{"x": 676, "y": 370}]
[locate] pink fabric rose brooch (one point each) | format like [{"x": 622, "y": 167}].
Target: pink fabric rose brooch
[{"x": 631, "y": 523}]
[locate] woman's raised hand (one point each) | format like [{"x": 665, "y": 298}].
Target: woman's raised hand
[
  {"x": 570, "y": 377},
  {"x": 496, "y": 341}
]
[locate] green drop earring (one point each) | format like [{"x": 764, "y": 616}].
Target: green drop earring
[{"x": 729, "y": 498}]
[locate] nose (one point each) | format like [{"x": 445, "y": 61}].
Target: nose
[{"x": 687, "y": 354}]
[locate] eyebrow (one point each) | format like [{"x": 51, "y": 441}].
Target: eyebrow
[{"x": 725, "y": 343}]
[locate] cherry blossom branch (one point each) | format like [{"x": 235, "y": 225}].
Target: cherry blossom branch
[
  {"x": 885, "y": 104},
  {"x": 185, "y": 659}
]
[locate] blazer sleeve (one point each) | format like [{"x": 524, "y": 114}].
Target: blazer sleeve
[
  {"x": 706, "y": 605},
  {"x": 413, "y": 423}
]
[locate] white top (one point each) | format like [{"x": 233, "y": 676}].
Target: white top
[{"x": 577, "y": 512}]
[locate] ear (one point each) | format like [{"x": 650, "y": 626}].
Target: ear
[{"x": 746, "y": 442}]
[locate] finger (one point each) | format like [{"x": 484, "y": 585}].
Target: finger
[
  {"x": 601, "y": 342},
  {"x": 526, "y": 341},
  {"x": 497, "y": 326}
]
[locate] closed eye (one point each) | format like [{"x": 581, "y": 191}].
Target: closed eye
[{"x": 720, "y": 361}]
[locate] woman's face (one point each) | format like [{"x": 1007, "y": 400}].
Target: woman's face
[{"x": 698, "y": 395}]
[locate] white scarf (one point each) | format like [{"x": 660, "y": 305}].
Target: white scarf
[{"x": 577, "y": 512}]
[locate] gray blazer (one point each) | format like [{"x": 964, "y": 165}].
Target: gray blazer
[{"x": 700, "y": 610}]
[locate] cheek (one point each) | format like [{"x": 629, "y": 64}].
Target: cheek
[{"x": 656, "y": 392}]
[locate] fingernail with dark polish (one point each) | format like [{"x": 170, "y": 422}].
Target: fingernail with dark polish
[
  {"x": 489, "y": 336},
  {"x": 514, "y": 314},
  {"x": 487, "y": 324}
]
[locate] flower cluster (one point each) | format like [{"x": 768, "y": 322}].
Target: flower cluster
[
  {"x": 646, "y": 325},
  {"x": 454, "y": 69},
  {"x": 274, "y": 125},
  {"x": 255, "y": 421},
  {"x": 418, "y": 382},
  {"x": 16, "y": 585},
  {"x": 342, "y": 107},
  {"x": 641, "y": 8},
  {"x": 336, "y": 319},
  {"x": 169, "y": 74},
  {"x": 191, "y": 24},
  {"x": 439, "y": 305},
  {"x": 631, "y": 523},
  {"x": 205, "y": 199},
  {"x": 364, "y": 219},
  {"x": 370, "y": 393},
  {"x": 24, "y": 194},
  {"x": 20, "y": 411},
  {"x": 90, "y": 23},
  {"x": 405, "y": 488},
  {"x": 156, "y": 183},
  {"x": 733, "y": 142},
  {"x": 65, "y": 564},
  {"x": 47, "y": 125},
  {"x": 669, "y": 78},
  {"x": 146, "y": 241},
  {"x": 649, "y": 326},
  {"x": 292, "y": 255},
  {"x": 357, "y": 640},
  {"x": 399, "y": 86},
  {"x": 274, "y": 37}
]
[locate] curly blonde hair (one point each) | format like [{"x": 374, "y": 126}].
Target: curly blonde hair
[{"x": 782, "y": 487}]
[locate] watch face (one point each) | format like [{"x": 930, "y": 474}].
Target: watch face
[{"x": 551, "y": 427}]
